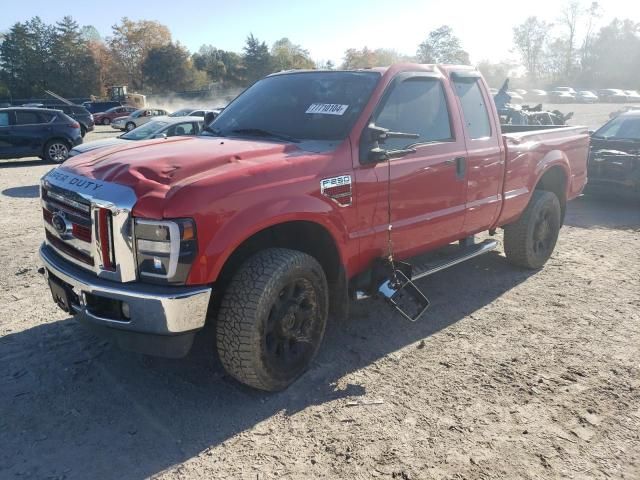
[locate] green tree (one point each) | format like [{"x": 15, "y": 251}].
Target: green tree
[
  {"x": 442, "y": 46},
  {"x": 75, "y": 68},
  {"x": 288, "y": 56},
  {"x": 529, "y": 39},
  {"x": 257, "y": 59},
  {"x": 220, "y": 65},
  {"x": 131, "y": 42},
  {"x": 168, "y": 67}
]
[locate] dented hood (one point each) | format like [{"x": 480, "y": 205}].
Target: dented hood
[{"x": 158, "y": 166}]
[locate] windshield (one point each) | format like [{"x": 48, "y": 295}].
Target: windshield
[
  {"x": 298, "y": 106},
  {"x": 183, "y": 112},
  {"x": 621, "y": 128},
  {"x": 145, "y": 131}
]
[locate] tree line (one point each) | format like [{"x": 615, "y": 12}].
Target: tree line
[
  {"x": 75, "y": 61},
  {"x": 552, "y": 52}
]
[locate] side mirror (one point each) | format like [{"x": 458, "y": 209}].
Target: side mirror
[
  {"x": 376, "y": 135},
  {"x": 591, "y": 132},
  {"x": 160, "y": 135}
]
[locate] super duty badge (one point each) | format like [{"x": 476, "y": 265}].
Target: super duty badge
[{"x": 337, "y": 189}]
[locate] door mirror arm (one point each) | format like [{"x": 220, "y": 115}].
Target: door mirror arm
[{"x": 378, "y": 135}]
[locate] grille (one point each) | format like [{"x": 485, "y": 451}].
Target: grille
[{"x": 76, "y": 242}]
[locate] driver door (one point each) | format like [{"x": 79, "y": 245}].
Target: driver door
[{"x": 427, "y": 188}]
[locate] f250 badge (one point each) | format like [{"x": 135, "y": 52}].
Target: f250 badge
[{"x": 337, "y": 189}]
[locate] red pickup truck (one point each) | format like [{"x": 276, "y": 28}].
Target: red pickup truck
[{"x": 289, "y": 202}]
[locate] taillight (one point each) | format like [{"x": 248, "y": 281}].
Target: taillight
[{"x": 74, "y": 125}]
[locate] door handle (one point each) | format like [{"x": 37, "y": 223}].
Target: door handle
[{"x": 461, "y": 167}]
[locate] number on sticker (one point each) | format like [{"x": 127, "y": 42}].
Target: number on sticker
[{"x": 327, "y": 108}]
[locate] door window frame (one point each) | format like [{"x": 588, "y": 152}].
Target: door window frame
[{"x": 396, "y": 80}]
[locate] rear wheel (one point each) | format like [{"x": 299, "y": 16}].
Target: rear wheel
[
  {"x": 106, "y": 121},
  {"x": 272, "y": 318},
  {"x": 530, "y": 241},
  {"x": 83, "y": 131},
  {"x": 56, "y": 151}
]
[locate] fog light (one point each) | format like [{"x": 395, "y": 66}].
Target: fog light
[{"x": 125, "y": 311}]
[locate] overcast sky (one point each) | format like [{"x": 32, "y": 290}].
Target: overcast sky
[{"x": 325, "y": 27}]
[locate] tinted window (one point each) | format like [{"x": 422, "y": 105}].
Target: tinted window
[
  {"x": 476, "y": 115},
  {"x": 29, "y": 118},
  {"x": 181, "y": 129},
  {"x": 312, "y": 106},
  {"x": 417, "y": 105},
  {"x": 4, "y": 119},
  {"x": 79, "y": 110},
  {"x": 627, "y": 128}
]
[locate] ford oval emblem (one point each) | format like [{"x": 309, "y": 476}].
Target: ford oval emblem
[{"x": 59, "y": 223}]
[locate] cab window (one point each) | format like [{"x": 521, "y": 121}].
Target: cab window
[
  {"x": 474, "y": 108},
  {"x": 4, "y": 119},
  {"x": 416, "y": 105}
]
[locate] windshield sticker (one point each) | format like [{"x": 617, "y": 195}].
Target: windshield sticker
[{"x": 327, "y": 108}]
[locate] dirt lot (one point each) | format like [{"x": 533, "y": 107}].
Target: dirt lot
[{"x": 512, "y": 374}]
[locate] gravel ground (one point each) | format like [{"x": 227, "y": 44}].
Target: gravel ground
[{"x": 511, "y": 374}]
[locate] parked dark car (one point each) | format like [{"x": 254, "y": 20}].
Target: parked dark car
[
  {"x": 79, "y": 113},
  {"x": 105, "y": 118},
  {"x": 45, "y": 133},
  {"x": 95, "y": 107},
  {"x": 614, "y": 157}
]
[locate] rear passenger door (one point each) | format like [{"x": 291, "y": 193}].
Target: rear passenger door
[
  {"x": 30, "y": 131},
  {"x": 7, "y": 139},
  {"x": 485, "y": 156}
]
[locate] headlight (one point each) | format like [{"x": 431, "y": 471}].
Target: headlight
[{"x": 165, "y": 249}]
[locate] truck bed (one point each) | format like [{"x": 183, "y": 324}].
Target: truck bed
[{"x": 530, "y": 152}]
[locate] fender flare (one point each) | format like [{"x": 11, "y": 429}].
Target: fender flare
[{"x": 243, "y": 225}]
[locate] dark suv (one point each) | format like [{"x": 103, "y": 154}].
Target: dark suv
[
  {"x": 95, "y": 107},
  {"x": 48, "y": 134},
  {"x": 79, "y": 113}
]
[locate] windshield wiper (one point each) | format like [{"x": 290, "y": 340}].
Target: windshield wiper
[{"x": 265, "y": 133}]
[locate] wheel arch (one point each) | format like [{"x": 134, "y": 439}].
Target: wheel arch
[
  {"x": 305, "y": 235},
  {"x": 555, "y": 179}
]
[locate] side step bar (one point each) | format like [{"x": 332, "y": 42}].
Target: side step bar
[
  {"x": 429, "y": 267},
  {"x": 402, "y": 293},
  {"x": 425, "y": 269}
]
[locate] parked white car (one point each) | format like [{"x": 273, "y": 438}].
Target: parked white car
[
  {"x": 137, "y": 118},
  {"x": 160, "y": 127}
]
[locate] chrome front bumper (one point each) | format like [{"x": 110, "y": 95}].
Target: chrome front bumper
[{"x": 153, "y": 310}]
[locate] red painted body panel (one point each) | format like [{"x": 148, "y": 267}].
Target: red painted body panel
[
  {"x": 530, "y": 154},
  {"x": 235, "y": 188}
]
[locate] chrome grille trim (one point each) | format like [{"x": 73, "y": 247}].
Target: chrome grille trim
[{"x": 77, "y": 190}]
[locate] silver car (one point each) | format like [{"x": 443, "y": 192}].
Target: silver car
[
  {"x": 137, "y": 118},
  {"x": 161, "y": 127}
]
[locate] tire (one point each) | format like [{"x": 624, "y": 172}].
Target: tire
[
  {"x": 530, "y": 241},
  {"x": 272, "y": 318},
  {"x": 83, "y": 131},
  {"x": 56, "y": 151},
  {"x": 106, "y": 121},
  {"x": 129, "y": 126}
]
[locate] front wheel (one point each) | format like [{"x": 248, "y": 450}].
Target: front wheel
[
  {"x": 106, "y": 121},
  {"x": 272, "y": 318},
  {"x": 529, "y": 242},
  {"x": 129, "y": 126}
]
